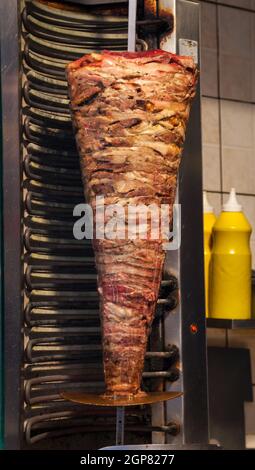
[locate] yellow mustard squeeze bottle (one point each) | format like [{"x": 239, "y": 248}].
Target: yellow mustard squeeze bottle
[
  {"x": 209, "y": 221},
  {"x": 230, "y": 285}
]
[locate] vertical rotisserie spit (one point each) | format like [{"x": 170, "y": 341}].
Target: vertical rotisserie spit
[{"x": 130, "y": 112}]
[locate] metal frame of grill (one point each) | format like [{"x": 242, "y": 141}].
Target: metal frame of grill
[{"x": 52, "y": 334}]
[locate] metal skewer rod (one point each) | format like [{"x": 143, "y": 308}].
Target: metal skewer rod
[
  {"x": 120, "y": 425},
  {"x": 132, "y": 11}
]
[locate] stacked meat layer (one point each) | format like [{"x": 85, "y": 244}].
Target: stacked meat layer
[{"x": 130, "y": 112}]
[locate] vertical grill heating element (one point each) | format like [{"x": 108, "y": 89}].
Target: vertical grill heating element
[
  {"x": 62, "y": 332},
  {"x": 52, "y": 329}
]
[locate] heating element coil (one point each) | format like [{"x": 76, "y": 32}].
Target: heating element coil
[{"x": 62, "y": 333}]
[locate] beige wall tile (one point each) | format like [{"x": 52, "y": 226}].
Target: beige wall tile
[
  {"x": 216, "y": 337},
  {"x": 253, "y": 122},
  {"x": 252, "y": 25},
  {"x": 237, "y": 124},
  {"x": 253, "y": 52},
  {"x": 235, "y": 77},
  {"x": 210, "y": 121},
  {"x": 209, "y": 72},
  {"x": 235, "y": 32},
  {"x": 253, "y": 56},
  {"x": 253, "y": 80},
  {"x": 244, "y": 339},
  {"x": 250, "y": 439},
  {"x": 208, "y": 26},
  {"x": 249, "y": 409},
  {"x": 215, "y": 201},
  {"x": 238, "y": 169},
  {"x": 237, "y": 3},
  {"x": 211, "y": 168}
]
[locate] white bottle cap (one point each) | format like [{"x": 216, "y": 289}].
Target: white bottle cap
[
  {"x": 232, "y": 204},
  {"x": 208, "y": 209}
]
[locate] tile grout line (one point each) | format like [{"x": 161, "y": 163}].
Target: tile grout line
[
  {"x": 230, "y": 147},
  {"x": 214, "y": 191},
  {"x": 219, "y": 100},
  {"x": 229, "y": 99},
  {"x": 222, "y": 4}
]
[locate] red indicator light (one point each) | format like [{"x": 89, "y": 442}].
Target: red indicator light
[{"x": 193, "y": 328}]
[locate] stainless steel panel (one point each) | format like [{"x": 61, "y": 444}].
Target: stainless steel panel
[
  {"x": 10, "y": 73},
  {"x": 186, "y": 327}
]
